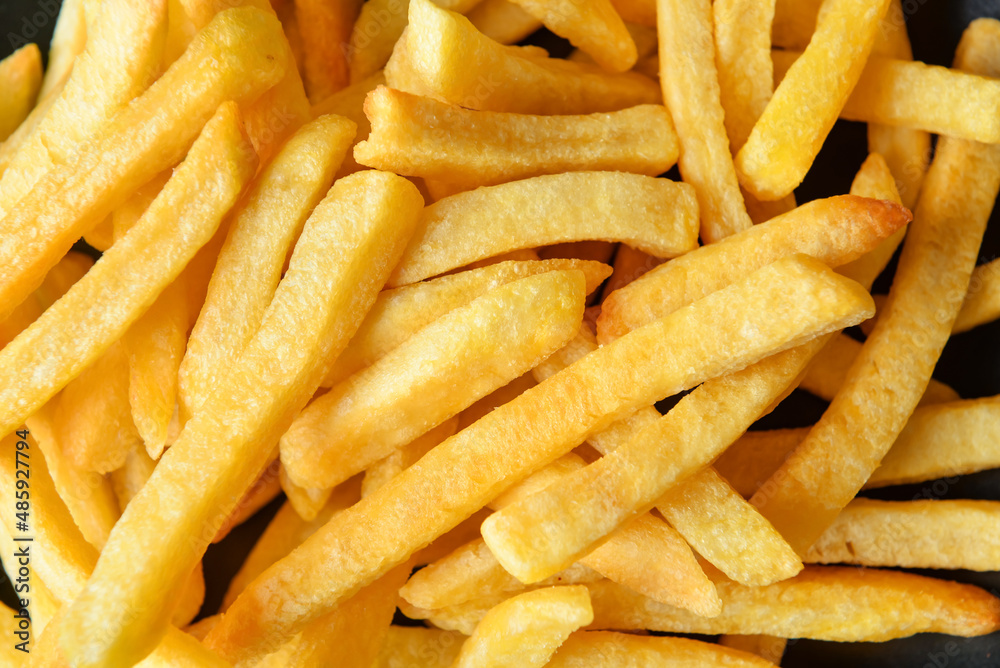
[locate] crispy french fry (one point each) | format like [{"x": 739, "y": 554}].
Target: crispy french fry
[
  {"x": 498, "y": 398},
  {"x": 751, "y": 460},
  {"x": 68, "y": 41},
  {"x": 417, "y": 647},
  {"x": 262, "y": 492},
  {"x": 420, "y": 136},
  {"x": 629, "y": 265},
  {"x": 476, "y": 464},
  {"x": 768, "y": 648},
  {"x": 835, "y": 231},
  {"x": 384, "y": 470},
  {"x": 872, "y": 407},
  {"x": 982, "y": 301},
  {"x": 482, "y": 74},
  {"x": 349, "y": 103},
  {"x": 655, "y": 215},
  {"x": 98, "y": 309},
  {"x": 785, "y": 140},
  {"x": 621, "y": 650},
  {"x": 690, "y": 84},
  {"x": 434, "y": 375},
  {"x": 308, "y": 502},
  {"x": 326, "y": 29},
  {"x": 20, "y": 78},
  {"x": 60, "y": 278},
  {"x": 340, "y": 261},
  {"x": 191, "y": 598},
  {"x": 502, "y": 21},
  {"x": 527, "y": 629}
]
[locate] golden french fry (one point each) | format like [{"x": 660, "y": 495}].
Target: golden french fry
[
  {"x": 644, "y": 38},
  {"x": 60, "y": 278},
  {"x": 438, "y": 372},
  {"x": 527, "y": 629},
  {"x": 340, "y": 261},
  {"x": 872, "y": 407},
  {"x": 622, "y": 650},
  {"x": 231, "y": 59},
  {"x": 477, "y": 463},
  {"x": 384, "y": 470},
  {"x": 690, "y": 84},
  {"x": 768, "y": 648},
  {"x": 502, "y": 21},
  {"x": 262, "y": 229},
  {"x": 68, "y": 41},
  {"x": 421, "y": 136},
  {"x": 629, "y": 265},
  {"x": 498, "y": 398},
  {"x": 655, "y": 215},
  {"x": 191, "y": 598},
  {"x": 913, "y": 534},
  {"x": 794, "y": 22},
  {"x": 642, "y": 12},
  {"x": 482, "y": 74},
  {"x": 982, "y": 301},
  {"x": 129, "y": 479},
  {"x": 20, "y": 78},
  {"x": 417, "y": 647},
  {"x": 751, "y": 460},
  {"x": 835, "y": 231},
  {"x": 858, "y": 605},
  {"x": 262, "y": 492},
  {"x": 783, "y": 143},
  {"x": 326, "y": 29},
  {"x": 307, "y": 501},
  {"x": 98, "y": 309},
  {"x": 349, "y": 102}
]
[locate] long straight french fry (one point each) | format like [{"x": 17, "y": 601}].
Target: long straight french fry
[
  {"x": 262, "y": 229},
  {"x": 56, "y": 283},
  {"x": 690, "y": 84},
  {"x": 655, "y": 215},
  {"x": 858, "y": 605},
  {"x": 482, "y": 74},
  {"x": 340, "y": 261},
  {"x": 835, "y": 231},
  {"x": 420, "y": 136},
  {"x": 502, "y": 21},
  {"x": 326, "y": 29},
  {"x": 233, "y": 58},
  {"x": 434, "y": 375},
  {"x": 886, "y": 380},
  {"x": 805, "y": 105},
  {"x": 69, "y": 38},
  {"x": 98, "y": 309},
  {"x": 384, "y": 470},
  {"x": 20, "y": 78},
  {"x": 417, "y": 647},
  {"x": 525, "y": 630},
  {"x": 621, "y": 650},
  {"x": 476, "y": 464}
]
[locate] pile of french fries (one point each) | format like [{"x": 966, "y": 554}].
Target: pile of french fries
[{"x": 427, "y": 284}]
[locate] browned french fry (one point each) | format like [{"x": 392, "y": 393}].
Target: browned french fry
[
  {"x": 261, "y": 493},
  {"x": 794, "y": 22},
  {"x": 418, "y": 647},
  {"x": 982, "y": 301},
  {"x": 60, "y": 278},
  {"x": 325, "y": 28},
  {"x": 768, "y": 648},
  {"x": 20, "y": 78},
  {"x": 503, "y": 21}
]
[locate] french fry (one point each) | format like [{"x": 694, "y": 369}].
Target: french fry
[
  {"x": 913, "y": 534},
  {"x": 858, "y": 605},
  {"x": 191, "y": 598},
  {"x": 655, "y": 215},
  {"x": 129, "y": 479},
  {"x": 68, "y": 41},
  {"x": 526, "y": 629},
  {"x": 262, "y": 492},
  {"x": 384, "y": 470},
  {"x": 502, "y": 21},
  {"x": 872, "y": 407},
  {"x": 20, "y": 78},
  {"x": 477, "y": 463},
  {"x": 340, "y": 261},
  {"x": 434, "y": 375},
  {"x": 12, "y": 145},
  {"x": 622, "y": 650},
  {"x": 644, "y": 38},
  {"x": 60, "y": 278},
  {"x": 629, "y": 264},
  {"x": 690, "y": 84},
  {"x": 467, "y": 530},
  {"x": 783, "y": 143},
  {"x": 835, "y": 231},
  {"x": 751, "y": 459},
  {"x": 794, "y": 22},
  {"x": 349, "y": 103},
  {"x": 262, "y": 229},
  {"x": 307, "y": 501},
  {"x": 642, "y": 12},
  {"x": 326, "y": 29},
  {"x": 982, "y": 301},
  {"x": 420, "y": 136},
  {"x": 98, "y": 309},
  {"x": 418, "y": 647},
  {"x": 491, "y": 401},
  {"x": 768, "y": 648},
  {"x": 482, "y": 74}
]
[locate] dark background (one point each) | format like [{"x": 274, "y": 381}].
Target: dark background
[{"x": 970, "y": 363}]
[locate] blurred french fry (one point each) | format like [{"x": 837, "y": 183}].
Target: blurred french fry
[
  {"x": 10, "y": 148},
  {"x": 57, "y": 281},
  {"x": 783, "y": 143},
  {"x": 858, "y": 605},
  {"x": 527, "y": 629},
  {"x": 99, "y": 308},
  {"x": 769, "y": 648},
  {"x": 308, "y": 502},
  {"x": 622, "y": 650},
  {"x": 794, "y": 22},
  {"x": 264, "y": 490},
  {"x": 20, "y": 78},
  {"x": 326, "y": 30},
  {"x": 133, "y": 474},
  {"x": 349, "y": 103},
  {"x": 629, "y": 265},
  {"x": 156, "y": 128},
  {"x": 835, "y": 231},
  {"x": 11, "y": 655},
  {"x": 690, "y": 84},
  {"x": 982, "y": 301},
  {"x": 483, "y": 74},
  {"x": 751, "y": 459},
  {"x": 191, "y": 598},
  {"x": 340, "y": 261},
  {"x": 654, "y": 215},
  {"x": 68, "y": 41},
  {"x": 384, "y": 470},
  {"x": 477, "y": 463},
  {"x": 872, "y": 407},
  {"x": 417, "y": 647},
  {"x": 420, "y": 136},
  {"x": 642, "y": 12},
  {"x": 438, "y": 372},
  {"x": 44, "y": 606},
  {"x": 644, "y": 38},
  {"x": 502, "y": 21},
  {"x": 913, "y": 534}
]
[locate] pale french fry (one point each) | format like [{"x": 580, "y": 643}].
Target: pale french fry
[
  {"x": 129, "y": 479},
  {"x": 835, "y": 231},
  {"x": 794, "y": 22},
  {"x": 502, "y": 21},
  {"x": 769, "y": 648},
  {"x": 655, "y": 215},
  {"x": 68, "y": 41},
  {"x": 384, "y": 470},
  {"x": 417, "y": 647},
  {"x": 349, "y": 103},
  {"x": 482, "y": 74},
  {"x": 982, "y": 301},
  {"x": 526, "y": 629},
  {"x": 783, "y": 143},
  {"x": 99, "y": 308},
  {"x": 20, "y": 78},
  {"x": 420, "y": 136},
  {"x": 690, "y": 84},
  {"x": 60, "y": 278},
  {"x": 231, "y": 59},
  {"x": 262, "y": 229},
  {"x": 858, "y": 605},
  {"x": 340, "y": 261},
  {"x": 913, "y": 534},
  {"x": 434, "y": 375},
  {"x": 463, "y": 617},
  {"x": 873, "y": 405},
  {"x": 621, "y": 650},
  {"x": 261, "y": 493},
  {"x": 326, "y": 29},
  {"x": 477, "y": 463}
]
